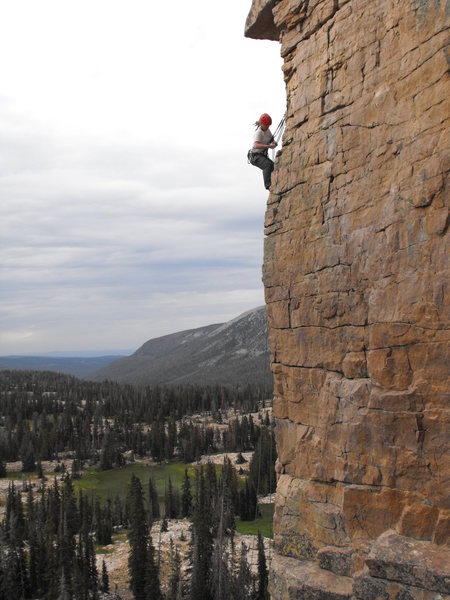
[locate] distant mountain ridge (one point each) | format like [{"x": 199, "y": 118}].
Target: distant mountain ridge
[
  {"x": 79, "y": 366},
  {"x": 235, "y": 352}
]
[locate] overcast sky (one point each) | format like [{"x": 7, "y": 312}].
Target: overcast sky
[{"x": 128, "y": 210}]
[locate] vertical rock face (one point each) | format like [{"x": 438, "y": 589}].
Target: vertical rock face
[{"x": 356, "y": 275}]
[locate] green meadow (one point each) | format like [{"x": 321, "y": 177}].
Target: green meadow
[
  {"x": 108, "y": 484},
  {"x": 15, "y": 475},
  {"x": 262, "y": 524},
  {"x": 114, "y": 482}
]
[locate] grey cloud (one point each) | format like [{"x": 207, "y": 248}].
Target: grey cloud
[{"x": 108, "y": 241}]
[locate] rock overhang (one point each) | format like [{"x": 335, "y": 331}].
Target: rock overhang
[{"x": 260, "y": 24}]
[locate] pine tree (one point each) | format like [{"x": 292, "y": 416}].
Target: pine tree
[
  {"x": 201, "y": 544},
  {"x": 78, "y": 583},
  {"x": 70, "y": 507},
  {"x": 28, "y": 462},
  {"x": 75, "y": 469},
  {"x": 54, "y": 503},
  {"x": 102, "y": 523},
  {"x": 262, "y": 465},
  {"x": 52, "y": 570},
  {"x": 186, "y": 497},
  {"x": 152, "y": 586},
  {"x": 105, "y": 579},
  {"x": 14, "y": 566},
  {"x": 164, "y": 524},
  {"x": 263, "y": 593},
  {"x": 221, "y": 583},
  {"x": 107, "y": 522},
  {"x": 175, "y": 573},
  {"x": 14, "y": 522},
  {"x": 211, "y": 486},
  {"x": 243, "y": 582},
  {"x": 64, "y": 593},
  {"x": 229, "y": 495},
  {"x": 171, "y": 437},
  {"x": 66, "y": 550},
  {"x": 138, "y": 538},
  {"x": 106, "y": 461},
  {"x": 254, "y": 512},
  {"x": 240, "y": 460},
  {"x": 154, "y": 512},
  {"x": 89, "y": 565},
  {"x": 243, "y": 502},
  {"x": 168, "y": 499},
  {"x": 32, "y": 541}
]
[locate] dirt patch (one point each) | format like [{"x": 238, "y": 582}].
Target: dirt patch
[
  {"x": 116, "y": 557},
  {"x": 217, "y": 459}
]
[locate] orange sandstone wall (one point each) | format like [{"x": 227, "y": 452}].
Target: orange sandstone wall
[{"x": 356, "y": 275}]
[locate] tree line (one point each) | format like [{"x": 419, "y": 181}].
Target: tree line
[
  {"x": 47, "y": 545},
  {"x": 45, "y": 414}
]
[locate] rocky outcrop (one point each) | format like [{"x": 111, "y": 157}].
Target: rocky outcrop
[
  {"x": 260, "y": 23},
  {"x": 356, "y": 275}
]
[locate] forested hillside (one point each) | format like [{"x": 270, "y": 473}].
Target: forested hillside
[
  {"x": 232, "y": 353},
  {"x": 56, "y": 432}
]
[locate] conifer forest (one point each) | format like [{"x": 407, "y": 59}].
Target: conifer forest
[{"x": 58, "y": 533}]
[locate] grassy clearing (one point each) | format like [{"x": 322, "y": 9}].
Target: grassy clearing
[
  {"x": 263, "y": 524},
  {"x": 120, "y": 536},
  {"x": 106, "y": 484},
  {"x": 19, "y": 475},
  {"x": 115, "y": 481},
  {"x": 103, "y": 550}
]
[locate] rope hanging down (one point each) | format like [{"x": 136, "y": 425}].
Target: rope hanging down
[{"x": 279, "y": 132}]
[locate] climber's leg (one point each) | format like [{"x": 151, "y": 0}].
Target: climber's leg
[{"x": 264, "y": 163}]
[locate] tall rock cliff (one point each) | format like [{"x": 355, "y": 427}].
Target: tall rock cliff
[{"x": 356, "y": 274}]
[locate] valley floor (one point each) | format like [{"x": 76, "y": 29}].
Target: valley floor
[{"x": 115, "y": 555}]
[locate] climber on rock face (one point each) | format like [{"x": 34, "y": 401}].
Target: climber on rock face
[{"x": 263, "y": 140}]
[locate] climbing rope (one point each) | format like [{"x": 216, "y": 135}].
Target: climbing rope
[
  {"x": 271, "y": 427},
  {"x": 279, "y": 130},
  {"x": 278, "y": 133}
]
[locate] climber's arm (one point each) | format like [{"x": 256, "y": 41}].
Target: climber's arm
[{"x": 261, "y": 146}]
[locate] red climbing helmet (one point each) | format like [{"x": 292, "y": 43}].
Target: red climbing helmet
[{"x": 265, "y": 120}]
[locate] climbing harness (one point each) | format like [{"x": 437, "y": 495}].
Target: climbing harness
[{"x": 251, "y": 155}]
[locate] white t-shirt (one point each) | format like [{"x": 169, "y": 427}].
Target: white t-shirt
[{"x": 264, "y": 137}]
